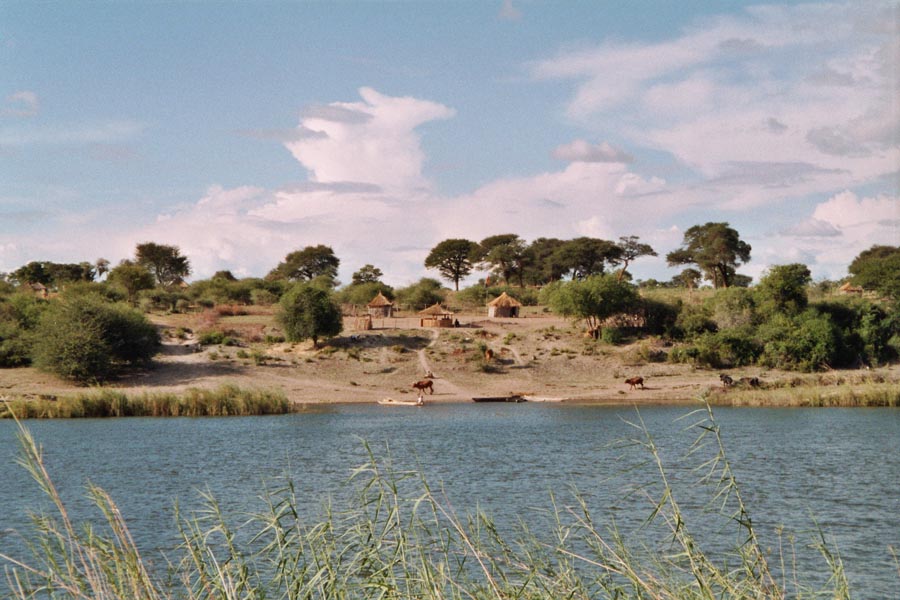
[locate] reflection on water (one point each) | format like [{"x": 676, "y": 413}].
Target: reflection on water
[{"x": 838, "y": 465}]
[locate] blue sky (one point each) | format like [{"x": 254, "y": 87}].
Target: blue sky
[{"x": 241, "y": 132}]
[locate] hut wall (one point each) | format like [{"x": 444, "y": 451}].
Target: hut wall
[{"x": 380, "y": 312}]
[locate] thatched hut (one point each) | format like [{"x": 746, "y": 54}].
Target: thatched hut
[
  {"x": 847, "y": 288},
  {"x": 504, "y": 305},
  {"x": 435, "y": 316},
  {"x": 380, "y": 307}
]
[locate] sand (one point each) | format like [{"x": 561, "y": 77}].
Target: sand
[{"x": 539, "y": 356}]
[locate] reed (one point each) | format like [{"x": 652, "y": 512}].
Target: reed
[
  {"x": 849, "y": 394},
  {"x": 399, "y": 538},
  {"x": 225, "y": 400}
]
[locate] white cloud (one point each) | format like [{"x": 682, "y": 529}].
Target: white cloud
[
  {"x": 23, "y": 103},
  {"x": 582, "y": 151},
  {"x": 373, "y": 141},
  {"x": 99, "y": 133}
]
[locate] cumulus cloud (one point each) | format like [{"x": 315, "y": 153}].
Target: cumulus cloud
[
  {"x": 582, "y": 151},
  {"x": 373, "y": 141}
]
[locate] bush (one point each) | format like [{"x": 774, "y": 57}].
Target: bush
[
  {"x": 87, "y": 339},
  {"x": 612, "y": 335},
  {"x": 807, "y": 342},
  {"x": 719, "y": 350},
  {"x": 693, "y": 321}
]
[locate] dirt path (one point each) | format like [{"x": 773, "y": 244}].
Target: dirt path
[{"x": 446, "y": 387}]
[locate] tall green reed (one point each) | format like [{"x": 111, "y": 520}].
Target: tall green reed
[{"x": 399, "y": 537}]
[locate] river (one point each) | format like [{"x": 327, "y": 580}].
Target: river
[{"x": 837, "y": 468}]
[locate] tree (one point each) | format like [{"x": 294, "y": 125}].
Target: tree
[
  {"x": 714, "y": 247},
  {"x": 632, "y": 249},
  {"x": 689, "y": 278},
  {"x": 309, "y": 312},
  {"x": 592, "y": 299},
  {"x": 586, "y": 256},
  {"x": 454, "y": 259},
  {"x": 783, "y": 290},
  {"x": 33, "y": 272},
  {"x": 367, "y": 274},
  {"x": 88, "y": 339},
  {"x": 543, "y": 263},
  {"x": 505, "y": 256},
  {"x": 878, "y": 268},
  {"x": 307, "y": 264},
  {"x": 131, "y": 278},
  {"x": 423, "y": 293},
  {"x": 165, "y": 263}
]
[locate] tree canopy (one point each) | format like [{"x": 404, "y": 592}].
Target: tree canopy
[
  {"x": 504, "y": 255},
  {"x": 878, "y": 268},
  {"x": 307, "y": 264},
  {"x": 631, "y": 249},
  {"x": 592, "y": 299},
  {"x": 586, "y": 256},
  {"x": 454, "y": 259},
  {"x": 309, "y": 312},
  {"x": 166, "y": 263},
  {"x": 367, "y": 274},
  {"x": 714, "y": 247},
  {"x": 131, "y": 278}
]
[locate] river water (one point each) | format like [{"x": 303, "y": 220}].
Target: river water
[{"x": 799, "y": 470}]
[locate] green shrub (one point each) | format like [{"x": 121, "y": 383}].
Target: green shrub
[
  {"x": 612, "y": 335},
  {"x": 719, "y": 350},
  {"x": 693, "y": 321},
  {"x": 88, "y": 339},
  {"x": 807, "y": 342}
]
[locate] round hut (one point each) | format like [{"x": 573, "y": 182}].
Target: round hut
[
  {"x": 504, "y": 305},
  {"x": 435, "y": 316},
  {"x": 380, "y": 307}
]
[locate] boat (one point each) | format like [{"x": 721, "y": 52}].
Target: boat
[
  {"x": 392, "y": 402},
  {"x": 528, "y": 398},
  {"x": 507, "y": 398}
]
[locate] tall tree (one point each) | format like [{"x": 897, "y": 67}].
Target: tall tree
[
  {"x": 454, "y": 259},
  {"x": 505, "y": 256},
  {"x": 309, "y": 311},
  {"x": 714, "y": 247},
  {"x": 307, "y": 264},
  {"x": 543, "y": 263},
  {"x": 878, "y": 268},
  {"x": 166, "y": 263},
  {"x": 367, "y": 274},
  {"x": 632, "y": 249},
  {"x": 585, "y": 256},
  {"x": 131, "y": 278}
]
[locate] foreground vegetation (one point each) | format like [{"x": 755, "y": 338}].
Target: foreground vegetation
[
  {"x": 399, "y": 539},
  {"x": 227, "y": 400}
]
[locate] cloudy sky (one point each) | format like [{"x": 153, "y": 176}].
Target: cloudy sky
[{"x": 241, "y": 132}]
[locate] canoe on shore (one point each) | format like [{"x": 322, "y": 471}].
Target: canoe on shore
[
  {"x": 392, "y": 402},
  {"x": 507, "y": 398}
]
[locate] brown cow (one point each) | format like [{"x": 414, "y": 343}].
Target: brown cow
[
  {"x": 488, "y": 355},
  {"x": 425, "y": 384},
  {"x": 633, "y": 381}
]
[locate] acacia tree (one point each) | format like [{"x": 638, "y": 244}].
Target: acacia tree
[
  {"x": 367, "y": 274},
  {"x": 505, "y": 256},
  {"x": 454, "y": 259},
  {"x": 714, "y": 247},
  {"x": 632, "y": 249},
  {"x": 585, "y": 256},
  {"x": 307, "y": 264},
  {"x": 543, "y": 261},
  {"x": 309, "y": 312},
  {"x": 166, "y": 263}
]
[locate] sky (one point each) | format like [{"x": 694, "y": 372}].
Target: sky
[{"x": 243, "y": 131}]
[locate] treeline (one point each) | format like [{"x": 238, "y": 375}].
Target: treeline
[{"x": 98, "y": 326}]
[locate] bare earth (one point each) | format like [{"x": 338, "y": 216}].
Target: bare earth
[{"x": 543, "y": 357}]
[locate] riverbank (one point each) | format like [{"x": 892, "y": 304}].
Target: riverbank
[{"x": 538, "y": 356}]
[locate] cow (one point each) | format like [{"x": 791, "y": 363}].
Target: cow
[
  {"x": 633, "y": 381},
  {"x": 726, "y": 380},
  {"x": 749, "y": 381},
  {"x": 424, "y": 384},
  {"x": 488, "y": 355}
]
